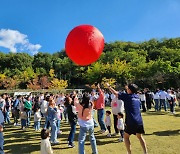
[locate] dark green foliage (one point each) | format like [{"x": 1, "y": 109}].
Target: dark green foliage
[{"x": 154, "y": 63}]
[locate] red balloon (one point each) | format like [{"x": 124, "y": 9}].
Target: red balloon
[{"x": 84, "y": 44}]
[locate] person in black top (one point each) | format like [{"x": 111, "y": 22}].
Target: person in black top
[{"x": 72, "y": 117}]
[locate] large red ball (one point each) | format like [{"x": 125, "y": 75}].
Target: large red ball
[{"x": 84, "y": 44}]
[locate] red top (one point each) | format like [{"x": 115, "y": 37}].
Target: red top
[{"x": 100, "y": 101}]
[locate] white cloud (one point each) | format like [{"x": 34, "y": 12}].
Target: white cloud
[{"x": 16, "y": 41}]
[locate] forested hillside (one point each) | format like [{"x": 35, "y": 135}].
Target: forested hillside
[{"x": 154, "y": 63}]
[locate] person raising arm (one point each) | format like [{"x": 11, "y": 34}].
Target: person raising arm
[{"x": 133, "y": 119}]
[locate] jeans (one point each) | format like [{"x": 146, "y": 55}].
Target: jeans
[
  {"x": 82, "y": 137},
  {"x": 23, "y": 122},
  {"x": 156, "y": 104},
  {"x": 115, "y": 123},
  {"x": 28, "y": 117},
  {"x": 122, "y": 133},
  {"x": 72, "y": 132},
  {"x": 46, "y": 125},
  {"x": 1, "y": 143},
  {"x": 162, "y": 101},
  {"x": 6, "y": 117},
  {"x": 101, "y": 119},
  {"x": 58, "y": 123},
  {"x": 95, "y": 123},
  {"x": 53, "y": 130},
  {"x": 37, "y": 125}
]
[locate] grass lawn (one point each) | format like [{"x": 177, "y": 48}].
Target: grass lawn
[{"x": 162, "y": 137}]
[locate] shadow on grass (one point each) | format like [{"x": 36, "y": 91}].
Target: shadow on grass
[
  {"x": 166, "y": 133},
  {"x": 22, "y": 148}
]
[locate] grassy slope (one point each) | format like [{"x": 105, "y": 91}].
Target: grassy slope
[{"x": 162, "y": 137}]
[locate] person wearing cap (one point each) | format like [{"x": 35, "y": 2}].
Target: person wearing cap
[
  {"x": 1, "y": 132},
  {"x": 133, "y": 119}
]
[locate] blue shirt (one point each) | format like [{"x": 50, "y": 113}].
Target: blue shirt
[
  {"x": 16, "y": 103},
  {"x": 132, "y": 108},
  {"x": 1, "y": 118}
]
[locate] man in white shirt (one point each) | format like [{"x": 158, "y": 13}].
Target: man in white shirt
[
  {"x": 163, "y": 97},
  {"x": 1, "y": 132}
]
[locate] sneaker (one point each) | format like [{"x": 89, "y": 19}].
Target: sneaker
[
  {"x": 114, "y": 134},
  {"x": 71, "y": 145},
  {"x": 121, "y": 139},
  {"x": 103, "y": 131},
  {"x": 109, "y": 135},
  {"x": 55, "y": 143}
]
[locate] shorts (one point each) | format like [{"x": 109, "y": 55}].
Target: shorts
[{"x": 133, "y": 129}]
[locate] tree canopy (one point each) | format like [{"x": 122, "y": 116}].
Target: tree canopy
[{"x": 154, "y": 63}]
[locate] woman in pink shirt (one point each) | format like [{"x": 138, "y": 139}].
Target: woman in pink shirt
[{"x": 86, "y": 123}]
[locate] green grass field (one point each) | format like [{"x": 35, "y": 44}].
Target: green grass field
[{"x": 162, "y": 137}]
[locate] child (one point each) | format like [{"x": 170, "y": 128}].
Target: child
[
  {"x": 59, "y": 112},
  {"x": 120, "y": 126},
  {"x": 108, "y": 122},
  {"x": 45, "y": 143},
  {"x": 23, "y": 117},
  {"x": 37, "y": 119}
]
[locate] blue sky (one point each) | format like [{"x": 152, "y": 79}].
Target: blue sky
[{"x": 43, "y": 25}]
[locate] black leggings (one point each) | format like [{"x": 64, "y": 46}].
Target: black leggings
[{"x": 115, "y": 123}]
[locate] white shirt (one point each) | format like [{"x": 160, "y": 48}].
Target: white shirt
[
  {"x": 108, "y": 121},
  {"x": 46, "y": 147},
  {"x": 37, "y": 116},
  {"x": 120, "y": 124},
  {"x": 117, "y": 106},
  {"x": 156, "y": 96},
  {"x": 60, "y": 101},
  {"x": 142, "y": 97},
  {"x": 3, "y": 103},
  {"x": 163, "y": 95},
  {"x": 84, "y": 123},
  {"x": 106, "y": 95},
  {"x": 112, "y": 96},
  {"x": 44, "y": 106}
]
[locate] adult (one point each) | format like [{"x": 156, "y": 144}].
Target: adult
[
  {"x": 171, "y": 97},
  {"x": 7, "y": 109},
  {"x": 117, "y": 106},
  {"x": 72, "y": 117},
  {"x": 86, "y": 123},
  {"x": 28, "y": 108},
  {"x": 133, "y": 119},
  {"x": 93, "y": 99},
  {"x": 52, "y": 111},
  {"x": 44, "y": 108},
  {"x": 149, "y": 98},
  {"x": 156, "y": 98},
  {"x": 37, "y": 103},
  {"x": 3, "y": 103},
  {"x": 163, "y": 97},
  {"x": 16, "y": 109},
  {"x": 142, "y": 98},
  {"x": 1, "y": 132},
  {"x": 100, "y": 105}
]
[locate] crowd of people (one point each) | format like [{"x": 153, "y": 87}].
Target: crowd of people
[{"x": 49, "y": 110}]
